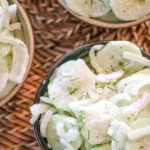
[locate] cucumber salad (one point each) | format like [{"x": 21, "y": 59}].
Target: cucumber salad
[
  {"x": 99, "y": 104},
  {"x": 126, "y": 10},
  {"x": 13, "y": 52}
]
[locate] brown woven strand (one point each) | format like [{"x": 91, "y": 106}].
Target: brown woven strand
[{"x": 55, "y": 32}]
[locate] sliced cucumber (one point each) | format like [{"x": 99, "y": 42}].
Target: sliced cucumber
[
  {"x": 93, "y": 8},
  {"x": 3, "y": 80},
  {"x": 133, "y": 79},
  {"x": 140, "y": 144},
  {"x": 112, "y": 53},
  {"x": 120, "y": 137},
  {"x": 137, "y": 58},
  {"x": 54, "y": 139},
  {"x": 130, "y": 9},
  {"x": 103, "y": 146},
  {"x": 135, "y": 89},
  {"x": 3, "y": 65},
  {"x": 131, "y": 112},
  {"x": 71, "y": 80},
  {"x": 94, "y": 130},
  {"x": 140, "y": 123},
  {"x": 77, "y": 6},
  {"x": 4, "y": 49},
  {"x": 37, "y": 110},
  {"x": 121, "y": 99},
  {"x": 44, "y": 121},
  {"x": 139, "y": 133}
]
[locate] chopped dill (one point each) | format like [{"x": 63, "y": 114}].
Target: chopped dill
[
  {"x": 46, "y": 94},
  {"x": 74, "y": 79},
  {"x": 72, "y": 90},
  {"x": 87, "y": 95},
  {"x": 109, "y": 137},
  {"x": 112, "y": 86},
  {"x": 121, "y": 65},
  {"x": 81, "y": 97},
  {"x": 88, "y": 134},
  {"x": 11, "y": 32},
  {"x": 67, "y": 76},
  {"x": 80, "y": 121},
  {"x": 141, "y": 1}
]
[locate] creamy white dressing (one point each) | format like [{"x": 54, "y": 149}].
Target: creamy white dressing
[
  {"x": 139, "y": 133},
  {"x": 112, "y": 77}
]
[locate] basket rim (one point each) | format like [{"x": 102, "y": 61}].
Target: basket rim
[{"x": 30, "y": 50}]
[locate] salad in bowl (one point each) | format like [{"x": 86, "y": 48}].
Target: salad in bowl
[
  {"x": 109, "y": 13},
  {"x": 97, "y": 97},
  {"x": 16, "y": 48}
]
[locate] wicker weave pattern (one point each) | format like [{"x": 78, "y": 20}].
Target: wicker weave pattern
[{"x": 55, "y": 32}]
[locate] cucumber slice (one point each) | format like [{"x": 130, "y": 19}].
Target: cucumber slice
[
  {"x": 37, "y": 110},
  {"x": 136, "y": 89},
  {"x": 125, "y": 9},
  {"x": 120, "y": 137},
  {"x": 94, "y": 130},
  {"x": 3, "y": 65},
  {"x": 112, "y": 53},
  {"x": 137, "y": 58},
  {"x": 44, "y": 121},
  {"x": 133, "y": 79},
  {"x": 71, "y": 80},
  {"x": 97, "y": 147},
  {"x": 4, "y": 15},
  {"x": 121, "y": 99},
  {"x": 105, "y": 147},
  {"x": 93, "y": 8},
  {"x": 57, "y": 142},
  {"x": 5, "y": 49},
  {"x": 131, "y": 112},
  {"x": 140, "y": 144},
  {"x": 3, "y": 73},
  {"x": 140, "y": 123},
  {"x": 3, "y": 79},
  {"x": 92, "y": 57},
  {"x": 139, "y": 133},
  {"x": 77, "y": 6}
]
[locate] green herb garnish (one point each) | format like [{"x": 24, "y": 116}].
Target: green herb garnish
[
  {"x": 72, "y": 90},
  {"x": 46, "y": 94},
  {"x": 88, "y": 134},
  {"x": 96, "y": 91},
  {"x": 67, "y": 76},
  {"x": 87, "y": 95},
  {"x": 112, "y": 86},
  {"x": 141, "y": 1},
  {"x": 91, "y": 3},
  {"x": 103, "y": 143},
  {"x": 121, "y": 65},
  {"x": 81, "y": 97},
  {"x": 11, "y": 32},
  {"x": 109, "y": 137},
  {"x": 80, "y": 121},
  {"x": 141, "y": 146},
  {"x": 74, "y": 79},
  {"x": 102, "y": 5},
  {"x": 22, "y": 45}
]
